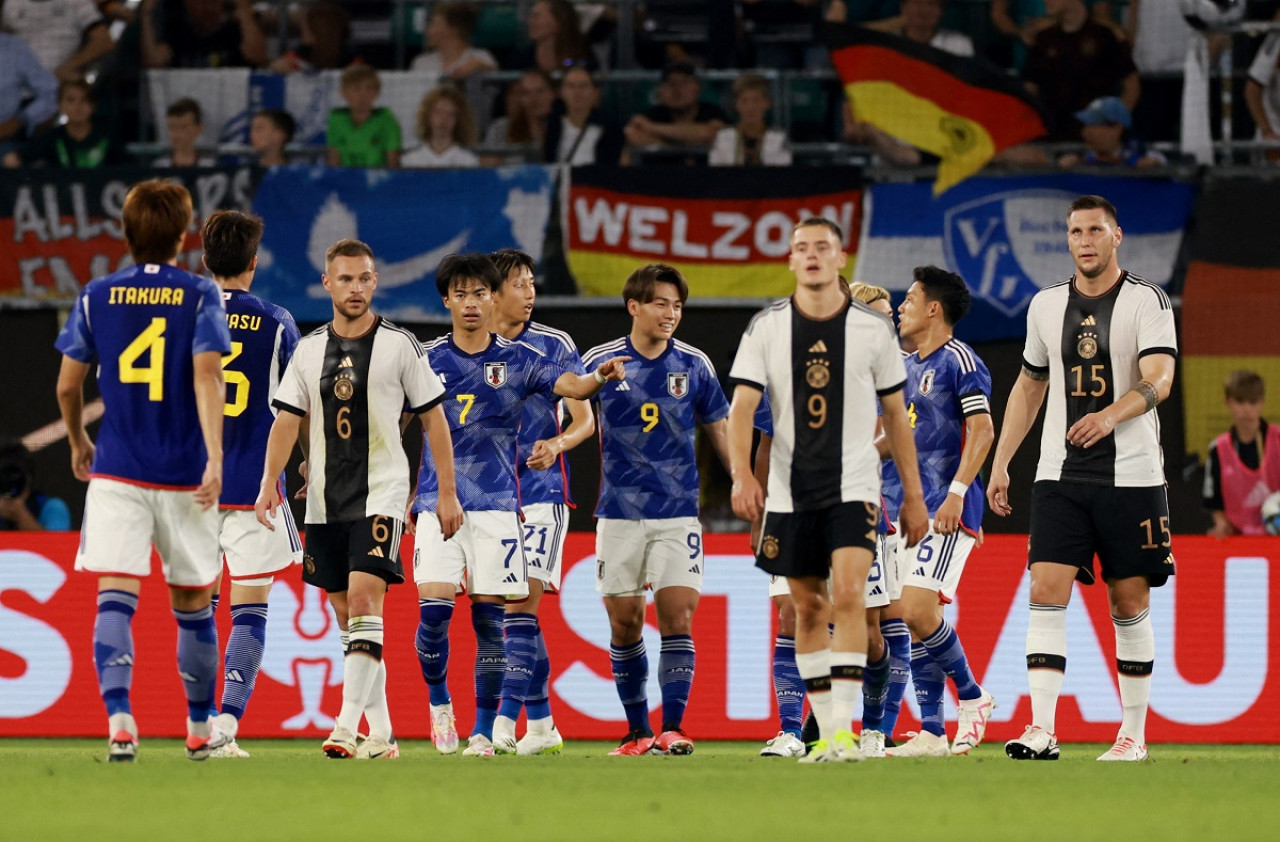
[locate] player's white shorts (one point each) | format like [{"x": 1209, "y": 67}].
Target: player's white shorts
[
  {"x": 778, "y": 586},
  {"x": 254, "y": 553},
  {"x": 122, "y": 520},
  {"x": 658, "y": 552},
  {"x": 545, "y": 527},
  {"x": 889, "y": 561},
  {"x": 486, "y": 556},
  {"x": 936, "y": 563}
]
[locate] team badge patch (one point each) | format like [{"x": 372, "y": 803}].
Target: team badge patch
[
  {"x": 1087, "y": 347},
  {"x": 818, "y": 374},
  {"x": 343, "y": 389},
  {"x": 926, "y": 382},
  {"x": 769, "y": 547},
  {"x": 495, "y": 374},
  {"x": 678, "y": 384}
]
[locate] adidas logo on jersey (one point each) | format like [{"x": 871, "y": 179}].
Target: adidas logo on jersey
[
  {"x": 695, "y": 569},
  {"x": 377, "y": 551},
  {"x": 818, "y": 347},
  {"x": 511, "y": 579},
  {"x": 1089, "y": 321},
  {"x": 624, "y": 386},
  {"x": 346, "y": 363}
]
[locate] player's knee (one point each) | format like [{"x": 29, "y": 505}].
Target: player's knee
[{"x": 626, "y": 628}]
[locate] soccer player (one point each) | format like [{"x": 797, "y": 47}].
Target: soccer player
[
  {"x": 1102, "y": 346},
  {"x": 353, "y": 377},
  {"x": 543, "y": 473},
  {"x": 949, "y": 409},
  {"x": 156, "y": 335},
  {"x": 647, "y": 531},
  {"x": 487, "y": 380},
  {"x": 823, "y": 359},
  {"x": 263, "y": 337}
]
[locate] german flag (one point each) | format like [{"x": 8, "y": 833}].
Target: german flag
[{"x": 957, "y": 108}]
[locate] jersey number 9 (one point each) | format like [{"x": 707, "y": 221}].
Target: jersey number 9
[{"x": 649, "y": 414}]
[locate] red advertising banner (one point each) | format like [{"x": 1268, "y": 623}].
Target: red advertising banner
[{"x": 1217, "y": 676}]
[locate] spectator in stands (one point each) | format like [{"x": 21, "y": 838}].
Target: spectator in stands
[
  {"x": 921, "y": 21},
  {"x": 1105, "y": 127},
  {"x": 68, "y": 36},
  {"x": 1160, "y": 37},
  {"x": 1262, "y": 89},
  {"x": 76, "y": 144},
  {"x": 1244, "y": 463},
  {"x": 449, "y": 34},
  {"x": 446, "y": 128},
  {"x": 555, "y": 39},
  {"x": 199, "y": 33},
  {"x": 751, "y": 142},
  {"x": 28, "y": 94},
  {"x": 1073, "y": 62},
  {"x": 362, "y": 135},
  {"x": 529, "y": 104},
  {"x": 270, "y": 131},
  {"x": 184, "y": 123},
  {"x": 323, "y": 40},
  {"x": 578, "y": 132},
  {"x": 681, "y": 118},
  {"x": 22, "y": 507},
  {"x": 1022, "y": 20}
]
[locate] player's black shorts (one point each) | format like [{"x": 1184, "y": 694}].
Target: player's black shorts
[
  {"x": 369, "y": 545},
  {"x": 1128, "y": 528},
  {"x": 798, "y": 544}
]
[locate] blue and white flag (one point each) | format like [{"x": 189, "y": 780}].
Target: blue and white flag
[
  {"x": 1007, "y": 237},
  {"x": 411, "y": 220}
]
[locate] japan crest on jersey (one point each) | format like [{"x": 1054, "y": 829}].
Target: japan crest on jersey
[
  {"x": 678, "y": 384},
  {"x": 495, "y": 374},
  {"x": 926, "y": 382}
]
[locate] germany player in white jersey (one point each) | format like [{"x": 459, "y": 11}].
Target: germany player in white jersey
[
  {"x": 263, "y": 337},
  {"x": 824, "y": 360},
  {"x": 1102, "y": 347},
  {"x": 544, "y": 499},
  {"x": 352, "y": 378}
]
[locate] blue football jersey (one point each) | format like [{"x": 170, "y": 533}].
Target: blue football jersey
[
  {"x": 541, "y": 419},
  {"x": 647, "y": 425},
  {"x": 484, "y": 396},
  {"x": 263, "y": 337},
  {"x": 141, "y": 326}
]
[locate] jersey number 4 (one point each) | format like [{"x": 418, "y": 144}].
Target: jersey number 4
[{"x": 150, "y": 343}]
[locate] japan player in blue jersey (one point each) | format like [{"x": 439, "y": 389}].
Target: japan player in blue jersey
[
  {"x": 487, "y": 380},
  {"x": 263, "y": 337},
  {"x": 543, "y": 472},
  {"x": 157, "y": 335},
  {"x": 948, "y": 398},
  {"x": 647, "y": 533}
]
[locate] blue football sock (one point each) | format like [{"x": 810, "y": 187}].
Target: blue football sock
[
  {"x": 631, "y": 676},
  {"x": 520, "y": 644},
  {"x": 788, "y": 687},
  {"x": 930, "y": 681},
  {"x": 244, "y": 656},
  {"x": 197, "y": 659},
  {"x": 491, "y": 664},
  {"x": 897, "y": 639},
  {"x": 947, "y": 652},
  {"x": 432, "y": 643},
  {"x": 675, "y": 671},
  {"x": 537, "y": 702},
  {"x": 875, "y": 686},
  {"x": 113, "y": 648}
]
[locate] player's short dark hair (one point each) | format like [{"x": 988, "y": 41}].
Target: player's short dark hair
[
  {"x": 282, "y": 120},
  {"x": 184, "y": 106},
  {"x": 946, "y": 288},
  {"x": 230, "y": 242},
  {"x": 347, "y": 247},
  {"x": 475, "y": 266},
  {"x": 639, "y": 286},
  {"x": 156, "y": 215},
  {"x": 829, "y": 224},
  {"x": 1245, "y": 386},
  {"x": 1091, "y": 202},
  {"x": 507, "y": 260}
]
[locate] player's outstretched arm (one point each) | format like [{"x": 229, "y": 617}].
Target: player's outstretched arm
[
  {"x": 585, "y": 386},
  {"x": 211, "y": 398},
  {"x": 748, "y": 495},
  {"x": 448, "y": 508},
  {"x": 1152, "y": 389},
  {"x": 1020, "y": 413},
  {"x": 71, "y": 402},
  {"x": 582, "y": 423},
  {"x": 913, "y": 515},
  {"x": 284, "y": 432}
]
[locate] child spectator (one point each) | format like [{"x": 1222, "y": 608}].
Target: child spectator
[
  {"x": 270, "y": 131},
  {"x": 1105, "y": 125},
  {"x": 577, "y": 132},
  {"x": 449, "y": 34},
  {"x": 1244, "y": 462},
  {"x": 185, "y": 123},
  {"x": 445, "y": 127},
  {"x": 76, "y": 144},
  {"x": 751, "y": 142},
  {"x": 361, "y": 135}
]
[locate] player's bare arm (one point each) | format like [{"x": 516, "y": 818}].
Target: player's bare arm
[
  {"x": 448, "y": 508},
  {"x": 304, "y": 445},
  {"x": 1157, "y": 379},
  {"x": 979, "y": 434},
  {"x": 761, "y": 473},
  {"x": 211, "y": 399},
  {"x": 718, "y": 434},
  {"x": 748, "y": 495},
  {"x": 881, "y": 441},
  {"x": 913, "y": 515},
  {"x": 582, "y": 425},
  {"x": 1020, "y": 411},
  {"x": 284, "y": 432},
  {"x": 585, "y": 386},
  {"x": 71, "y": 402}
]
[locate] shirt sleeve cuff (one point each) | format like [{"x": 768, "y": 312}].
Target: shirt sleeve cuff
[{"x": 284, "y": 407}]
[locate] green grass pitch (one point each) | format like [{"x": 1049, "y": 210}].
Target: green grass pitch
[{"x": 65, "y": 789}]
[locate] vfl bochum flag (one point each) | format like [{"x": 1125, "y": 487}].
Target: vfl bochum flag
[{"x": 1007, "y": 237}]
